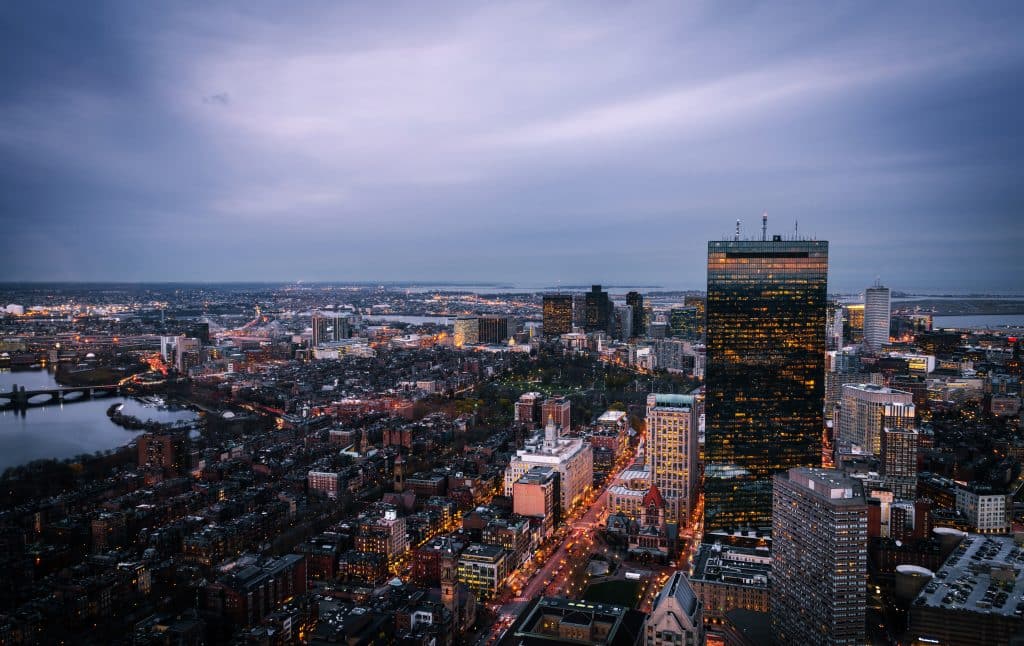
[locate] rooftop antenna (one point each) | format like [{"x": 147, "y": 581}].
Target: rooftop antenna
[
  {"x": 764, "y": 226},
  {"x": 796, "y": 228},
  {"x": 737, "y": 231}
]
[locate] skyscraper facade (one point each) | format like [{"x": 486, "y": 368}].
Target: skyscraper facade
[
  {"x": 636, "y": 301},
  {"x": 899, "y": 461},
  {"x": 877, "y": 315},
  {"x": 599, "y": 310},
  {"x": 493, "y": 329},
  {"x": 819, "y": 558},
  {"x": 467, "y": 331},
  {"x": 623, "y": 322},
  {"x": 672, "y": 447},
  {"x": 330, "y": 327},
  {"x": 700, "y": 303},
  {"x": 557, "y": 314},
  {"x": 765, "y": 372},
  {"x": 863, "y": 407}
]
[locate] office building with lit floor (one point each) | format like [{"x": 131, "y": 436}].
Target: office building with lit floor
[
  {"x": 819, "y": 558},
  {"x": 765, "y": 372}
]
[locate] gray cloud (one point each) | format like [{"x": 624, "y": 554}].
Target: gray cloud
[{"x": 533, "y": 141}]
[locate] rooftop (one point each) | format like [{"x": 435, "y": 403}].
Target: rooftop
[
  {"x": 665, "y": 400},
  {"x": 717, "y": 563},
  {"x": 984, "y": 574}
]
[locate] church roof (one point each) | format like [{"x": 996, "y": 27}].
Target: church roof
[{"x": 653, "y": 496}]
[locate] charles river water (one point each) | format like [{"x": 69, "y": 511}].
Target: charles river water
[{"x": 66, "y": 430}]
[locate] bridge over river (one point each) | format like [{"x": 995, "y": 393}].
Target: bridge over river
[{"x": 20, "y": 398}]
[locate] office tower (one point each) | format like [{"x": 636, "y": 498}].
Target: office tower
[
  {"x": 187, "y": 354},
  {"x": 899, "y": 461},
  {"x": 677, "y": 615},
  {"x": 819, "y": 558},
  {"x": 623, "y": 322},
  {"x": 493, "y": 329},
  {"x": 765, "y": 372},
  {"x": 862, "y": 408},
  {"x": 467, "y": 331},
  {"x": 834, "y": 327},
  {"x": 330, "y": 327},
  {"x": 201, "y": 331},
  {"x": 598, "y": 310},
  {"x": 700, "y": 303},
  {"x": 877, "y": 314},
  {"x": 683, "y": 323},
  {"x": 557, "y": 314},
  {"x": 853, "y": 326},
  {"x": 672, "y": 452},
  {"x": 559, "y": 409},
  {"x": 636, "y": 301}
]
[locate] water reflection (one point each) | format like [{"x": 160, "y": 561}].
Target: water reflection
[{"x": 63, "y": 431}]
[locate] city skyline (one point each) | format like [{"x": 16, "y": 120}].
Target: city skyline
[{"x": 344, "y": 143}]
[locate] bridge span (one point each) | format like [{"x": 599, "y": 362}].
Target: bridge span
[{"x": 20, "y": 399}]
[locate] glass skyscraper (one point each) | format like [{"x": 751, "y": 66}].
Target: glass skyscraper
[{"x": 765, "y": 374}]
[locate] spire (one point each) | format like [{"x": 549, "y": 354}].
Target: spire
[{"x": 550, "y": 432}]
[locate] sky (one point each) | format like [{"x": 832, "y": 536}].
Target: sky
[{"x": 528, "y": 142}]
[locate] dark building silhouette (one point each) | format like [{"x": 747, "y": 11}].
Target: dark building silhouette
[
  {"x": 700, "y": 303},
  {"x": 493, "y": 329},
  {"x": 636, "y": 301},
  {"x": 599, "y": 311},
  {"x": 557, "y": 314},
  {"x": 765, "y": 374}
]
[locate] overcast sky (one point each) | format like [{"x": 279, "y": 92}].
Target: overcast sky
[{"x": 522, "y": 141}]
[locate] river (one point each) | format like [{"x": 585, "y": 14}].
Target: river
[{"x": 66, "y": 430}]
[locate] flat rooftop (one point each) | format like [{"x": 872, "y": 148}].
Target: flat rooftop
[
  {"x": 984, "y": 574},
  {"x": 727, "y": 564}
]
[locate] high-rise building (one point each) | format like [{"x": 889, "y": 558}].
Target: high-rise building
[
  {"x": 623, "y": 322},
  {"x": 899, "y": 461},
  {"x": 861, "y": 412},
  {"x": 329, "y": 327},
  {"x": 467, "y": 331},
  {"x": 636, "y": 301},
  {"x": 672, "y": 451},
  {"x": 599, "y": 310},
  {"x": 765, "y": 372},
  {"x": 877, "y": 315},
  {"x": 834, "y": 330},
  {"x": 700, "y": 303},
  {"x": 853, "y": 322},
  {"x": 493, "y": 329},
  {"x": 557, "y": 314},
  {"x": 559, "y": 409},
  {"x": 819, "y": 558},
  {"x": 677, "y": 615},
  {"x": 683, "y": 322},
  {"x": 187, "y": 354}
]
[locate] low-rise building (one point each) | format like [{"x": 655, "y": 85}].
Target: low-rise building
[
  {"x": 483, "y": 569},
  {"x": 987, "y": 512},
  {"x": 976, "y": 597},
  {"x": 727, "y": 577}
]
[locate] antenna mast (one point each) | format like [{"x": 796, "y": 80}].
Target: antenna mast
[
  {"x": 737, "y": 238},
  {"x": 764, "y": 226}
]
